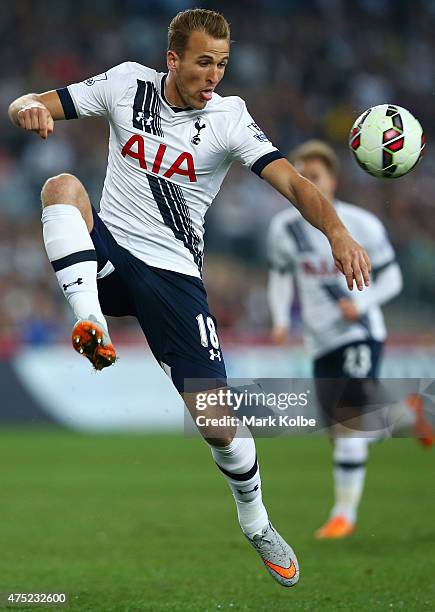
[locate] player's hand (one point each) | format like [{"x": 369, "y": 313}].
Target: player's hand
[
  {"x": 280, "y": 335},
  {"x": 35, "y": 117},
  {"x": 348, "y": 309},
  {"x": 351, "y": 259}
]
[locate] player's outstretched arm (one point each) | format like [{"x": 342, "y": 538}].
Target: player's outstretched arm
[
  {"x": 37, "y": 112},
  {"x": 350, "y": 258},
  {"x": 280, "y": 294}
]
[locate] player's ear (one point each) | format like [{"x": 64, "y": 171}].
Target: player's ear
[{"x": 172, "y": 60}]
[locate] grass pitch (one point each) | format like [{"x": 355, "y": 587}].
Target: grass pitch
[{"x": 140, "y": 523}]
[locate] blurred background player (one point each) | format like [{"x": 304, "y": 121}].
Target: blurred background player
[{"x": 344, "y": 334}]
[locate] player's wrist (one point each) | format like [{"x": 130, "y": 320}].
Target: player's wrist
[
  {"x": 335, "y": 232},
  {"x": 32, "y": 104}
]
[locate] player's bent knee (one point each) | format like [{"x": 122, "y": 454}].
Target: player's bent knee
[
  {"x": 221, "y": 442},
  {"x": 63, "y": 189}
]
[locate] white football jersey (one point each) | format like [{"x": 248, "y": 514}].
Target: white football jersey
[
  {"x": 296, "y": 246},
  {"x": 165, "y": 165}
]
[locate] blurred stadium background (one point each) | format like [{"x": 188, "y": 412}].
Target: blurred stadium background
[{"x": 306, "y": 68}]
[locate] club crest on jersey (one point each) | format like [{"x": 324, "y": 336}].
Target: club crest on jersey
[
  {"x": 98, "y": 77},
  {"x": 257, "y": 132},
  {"x": 198, "y": 127}
]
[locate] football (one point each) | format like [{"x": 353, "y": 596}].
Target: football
[{"x": 387, "y": 141}]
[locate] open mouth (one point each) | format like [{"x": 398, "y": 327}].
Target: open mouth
[{"x": 206, "y": 94}]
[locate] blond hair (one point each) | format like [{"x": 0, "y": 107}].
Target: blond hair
[
  {"x": 316, "y": 149},
  {"x": 200, "y": 20}
]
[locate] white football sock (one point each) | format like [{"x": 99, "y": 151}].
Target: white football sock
[
  {"x": 238, "y": 463},
  {"x": 350, "y": 455},
  {"x": 72, "y": 254}
]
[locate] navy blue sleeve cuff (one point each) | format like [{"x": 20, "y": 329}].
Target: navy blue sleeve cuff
[
  {"x": 67, "y": 103},
  {"x": 265, "y": 160}
]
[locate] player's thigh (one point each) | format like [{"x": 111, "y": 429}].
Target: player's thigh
[
  {"x": 113, "y": 292},
  {"x": 173, "y": 312}
]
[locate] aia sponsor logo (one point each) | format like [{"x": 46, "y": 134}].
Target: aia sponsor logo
[{"x": 182, "y": 165}]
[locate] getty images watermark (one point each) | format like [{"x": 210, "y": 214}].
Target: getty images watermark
[
  {"x": 303, "y": 406},
  {"x": 253, "y": 408}
]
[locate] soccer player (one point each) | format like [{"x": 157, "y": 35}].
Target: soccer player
[
  {"x": 172, "y": 141},
  {"x": 344, "y": 334}
]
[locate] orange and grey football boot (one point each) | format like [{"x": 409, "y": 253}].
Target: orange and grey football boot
[
  {"x": 90, "y": 339},
  {"x": 278, "y": 557}
]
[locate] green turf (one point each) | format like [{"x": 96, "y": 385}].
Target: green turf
[{"x": 136, "y": 523}]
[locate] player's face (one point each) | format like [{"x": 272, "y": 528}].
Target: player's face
[
  {"x": 199, "y": 70},
  {"x": 316, "y": 171}
]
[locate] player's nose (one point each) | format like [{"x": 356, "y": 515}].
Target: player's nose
[{"x": 213, "y": 76}]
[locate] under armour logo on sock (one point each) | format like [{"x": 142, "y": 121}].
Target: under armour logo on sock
[
  {"x": 79, "y": 281},
  {"x": 251, "y": 491}
]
